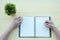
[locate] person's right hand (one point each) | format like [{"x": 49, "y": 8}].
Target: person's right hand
[{"x": 49, "y": 24}]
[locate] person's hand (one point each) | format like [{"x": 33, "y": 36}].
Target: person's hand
[
  {"x": 49, "y": 24},
  {"x": 16, "y": 22}
]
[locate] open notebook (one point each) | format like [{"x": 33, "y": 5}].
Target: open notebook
[{"x": 34, "y": 27}]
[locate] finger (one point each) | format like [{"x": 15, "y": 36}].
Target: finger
[
  {"x": 46, "y": 25},
  {"x": 19, "y": 18},
  {"x": 49, "y": 21},
  {"x": 46, "y": 21}
]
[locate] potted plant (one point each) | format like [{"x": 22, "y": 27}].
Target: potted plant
[{"x": 10, "y": 9}]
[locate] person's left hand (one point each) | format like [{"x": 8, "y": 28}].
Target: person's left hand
[{"x": 16, "y": 22}]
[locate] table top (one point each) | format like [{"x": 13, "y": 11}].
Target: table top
[{"x": 30, "y": 8}]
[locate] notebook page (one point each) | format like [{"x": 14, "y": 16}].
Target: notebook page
[
  {"x": 41, "y": 30},
  {"x": 27, "y": 27}
]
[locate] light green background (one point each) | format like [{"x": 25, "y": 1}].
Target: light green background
[{"x": 30, "y": 8}]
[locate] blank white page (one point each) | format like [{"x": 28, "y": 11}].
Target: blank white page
[
  {"x": 27, "y": 27},
  {"x": 41, "y": 30}
]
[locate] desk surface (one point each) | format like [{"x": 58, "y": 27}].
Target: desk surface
[{"x": 30, "y": 8}]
